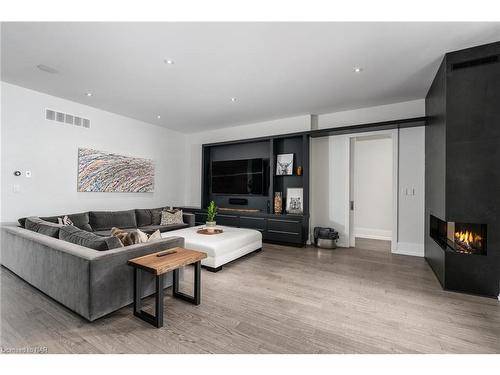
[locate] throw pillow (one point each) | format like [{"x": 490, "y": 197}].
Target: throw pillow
[
  {"x": 143, "y": 237},
  {"x": 38, "y": 225},
  {"x": 134, "y": 237},
  {"x": 81, "y": 237},
  {"x": 155, "y": 236},
  {"x": 169, "y": 217},
  {"x": 121, "y": 235},
  {"x": 64, "y": 221}
]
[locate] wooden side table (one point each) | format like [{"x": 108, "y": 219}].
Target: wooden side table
[{"x": 159, "y": 264}]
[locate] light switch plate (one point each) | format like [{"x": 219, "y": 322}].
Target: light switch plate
[{"x": 16, "y": 188}]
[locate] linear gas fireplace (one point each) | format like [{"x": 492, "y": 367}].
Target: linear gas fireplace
[
  {"x": 469, "y": 238},
  {"x": 465, "y": 238}
]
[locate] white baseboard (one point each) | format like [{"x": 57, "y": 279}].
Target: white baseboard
[
  {"x": 408, "y": 248},
  {"x": 374, "y": 234}
]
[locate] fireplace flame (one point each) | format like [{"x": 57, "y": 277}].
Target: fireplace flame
[{"x": 468, "y": 239}]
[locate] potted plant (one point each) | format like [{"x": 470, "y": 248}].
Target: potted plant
[{"x": 211, "y": 213}]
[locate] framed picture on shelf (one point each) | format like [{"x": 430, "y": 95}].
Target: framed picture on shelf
[
  {"x": 284, "y": 165},
  {"x": 295, "y": 200}
]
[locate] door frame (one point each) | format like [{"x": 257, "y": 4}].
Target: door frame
[{"x": 394, "y": 135}]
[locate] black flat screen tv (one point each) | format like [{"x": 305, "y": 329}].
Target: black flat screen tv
[{"x": 240, "y": 177}]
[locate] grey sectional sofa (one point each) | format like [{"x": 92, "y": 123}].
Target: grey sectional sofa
[
  {"x": 90, "y": 282},
  {"x": 101, "y": 222}
]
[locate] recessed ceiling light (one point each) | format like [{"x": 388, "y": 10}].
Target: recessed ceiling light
[
  {"x": 46, "y": 69},
  {"x": 233, "y": 99},
  {"x": 357, "y": 69},
  {"x": 158, "y": 117},
  {"x": 169, "y": 62},
  {"x": 88, "y": 93}
]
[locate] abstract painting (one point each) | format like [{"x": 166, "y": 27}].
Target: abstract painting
[{"x": 100, "y": 171}]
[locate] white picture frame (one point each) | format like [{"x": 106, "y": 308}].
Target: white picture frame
[
  {"x": 284, "y": 164},
  {"x": 295, "y": 200}
]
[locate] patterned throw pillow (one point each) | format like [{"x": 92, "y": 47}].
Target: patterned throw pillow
[
  {"x": 134, "y": 237},
  {"x": 64, "y": 221},
  {"x": 155, "y": 236},
  {"x": 169, "y": 217}
]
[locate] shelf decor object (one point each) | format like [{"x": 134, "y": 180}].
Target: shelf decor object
[
  {"x": 294, "y": 199},
  {"x": 206, "y": 231},
  {"x": 211, "y": 214},
  {"x": 278, "y": 203},
  {"x": 284, "y": 165}
]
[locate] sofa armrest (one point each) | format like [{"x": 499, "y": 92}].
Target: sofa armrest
[
  {"x": 89, "y": 282},
  {"x": 59, "y": 269},
  {"x": 189, "y": 218},
  {"x": 111, "y": 278}
]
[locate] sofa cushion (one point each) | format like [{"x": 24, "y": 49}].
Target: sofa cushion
[
  {"x": 22, "y": 221},
  {"x": 162, "y": 228},
  {"x": 189, "y": 219},
  {"x": 80, "y": 220},
  {"x": 38, "y": 225},
  {"x": 156, "y": 216},
  {"x": 107, "y": 233},
  {"x": 81, "y": 237},
  {"x": 143, "y": 217},
  {"x": 103, "y": 220},
  {"x": 52, "y": 219}
]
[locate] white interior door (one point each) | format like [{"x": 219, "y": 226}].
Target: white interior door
[{"x": 372, "y": 187}]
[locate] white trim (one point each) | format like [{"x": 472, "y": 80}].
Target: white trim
[
  {"x": 395, "y": 189},
  {"x": 408, "y": 248},
  {"x": 374, "y": 234}
]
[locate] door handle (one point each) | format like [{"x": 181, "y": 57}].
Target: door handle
[{"x": 351, "y": 205}]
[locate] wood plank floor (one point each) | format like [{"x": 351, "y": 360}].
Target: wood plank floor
[{"x": 281, "y": 300}]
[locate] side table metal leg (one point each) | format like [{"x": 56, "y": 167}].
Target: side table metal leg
[
  {"x": 196, "y": 297},
  {"x": 197, "y": 283},
  {"x": 159, "y": 301},
  {"x": 137, "y": 291},
  {"x": 175, "y": 281}
]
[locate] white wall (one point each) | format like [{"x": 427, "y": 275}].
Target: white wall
[
  {"x": 372, "y": 164},
  {"x": 411, "y": 198},
  {"x": 395, "y": 111},
  {"x": 49, "y": 149}
]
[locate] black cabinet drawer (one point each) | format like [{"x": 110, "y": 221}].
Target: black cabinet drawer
[
  {"x": 258, "y": 223},
  {"x": 282, "y": 236},
  {"x": 229, "y": 220},
  {"x": 288, "y": 226}
]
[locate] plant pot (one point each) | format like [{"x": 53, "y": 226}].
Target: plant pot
[{"x": 210, "y": 226}]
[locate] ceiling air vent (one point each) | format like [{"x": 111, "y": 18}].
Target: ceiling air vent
[
  {"x": 66, "y": 118},
  {"x": 475, "y": 62}
]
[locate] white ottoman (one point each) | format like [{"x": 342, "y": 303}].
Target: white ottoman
[{"x": 220, "y": 248}]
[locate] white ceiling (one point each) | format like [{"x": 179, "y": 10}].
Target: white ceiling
[{"x": 273, "y": 69}]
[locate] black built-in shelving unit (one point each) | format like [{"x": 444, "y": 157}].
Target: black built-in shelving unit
[{"x": 284, "y": 228}]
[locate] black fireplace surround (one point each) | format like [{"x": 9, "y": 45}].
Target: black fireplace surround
[{"x": 462, "y": 177}]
